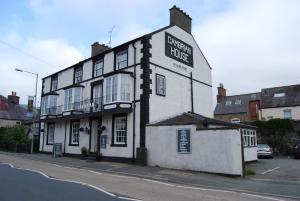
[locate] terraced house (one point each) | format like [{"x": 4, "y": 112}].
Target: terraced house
[{"x": 104, "y": 102}]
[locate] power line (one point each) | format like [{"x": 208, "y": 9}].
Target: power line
[{"x": 27, "y": 54}]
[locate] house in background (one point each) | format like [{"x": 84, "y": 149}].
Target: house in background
[
  {"x": 237, "y": 108},
  {"x": 11, "y": 113},
  {"x": 280, "y": 102}
]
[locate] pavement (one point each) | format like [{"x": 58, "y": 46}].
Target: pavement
[{"x": 250, "y": 185}]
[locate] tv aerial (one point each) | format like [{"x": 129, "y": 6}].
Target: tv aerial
[{"x": 110, "y": 33}]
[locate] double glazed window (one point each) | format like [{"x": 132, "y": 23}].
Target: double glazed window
[
  {"x": 52, "y": 106},
  {"x": 50, "y": 136},
  {"x": 121, "y": 59},
  {"x": 287, "y": 114},
  {"x": 78, "y": 75},
  {"x": 120, "y": 129},
  {"x": 249, "y": 138},
  {"x": 44, "y": 105},
  {"x": 118, "y": 88},
  {"x": 160, "y": 85},
  {"x": 74, "y": 137},
  {"x": 97, "y": 97},
  {"x": 98, "y": 68},
  {"x": 54, "y": 82},
  {"x": 72, "y": 98}
]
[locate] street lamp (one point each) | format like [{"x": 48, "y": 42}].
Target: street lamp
[{"x": 34, "y": 112}]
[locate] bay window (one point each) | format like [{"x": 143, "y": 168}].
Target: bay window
[
  {"x": 72, "y": 98},
  {"x": 52, "y": 106},
  {"x": 44, "y": 105},
  {"x": 118, "y": 88}
]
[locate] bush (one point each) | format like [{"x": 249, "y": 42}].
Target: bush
[{"x": 14, "y": 139}]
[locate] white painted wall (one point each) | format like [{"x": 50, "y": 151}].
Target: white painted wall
[
  {"x": 215, "y": 151},
  {"x": 278, "y": 112},
  {"x": 250, "y": 154}
]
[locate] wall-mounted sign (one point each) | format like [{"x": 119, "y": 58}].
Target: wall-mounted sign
[
  {"x": 184, "y": 141},
  {"x": 178, "y": 50}
]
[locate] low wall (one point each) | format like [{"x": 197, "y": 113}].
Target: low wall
[
  {"x": 250, "y": 154},
  {"x": 215, "y": 151}
]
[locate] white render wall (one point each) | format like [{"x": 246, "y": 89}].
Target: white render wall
[
  {"x": 215, "y": 151},
  {"x": 278, "y": 112},
  {"x": 250, "y": 154}
]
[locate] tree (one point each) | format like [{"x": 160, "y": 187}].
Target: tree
[{"x": 16, "y": 136}]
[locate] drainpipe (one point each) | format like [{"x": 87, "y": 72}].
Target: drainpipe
[
  {"x": 134, "y": 99},
  {"x": 192, "y": 94},
  {"x": 242, "y": 152}
]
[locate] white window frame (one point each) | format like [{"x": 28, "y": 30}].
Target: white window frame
[
  {"x": 120, "y": 130},
  {"x": 78, "y": 75},
  {"x": 75, "y": 133},
  {"x": 98, "y": 68},
  {"x": 118, "y": 88},
  {"x": 278, "y": 95},
  {"x": 50, "y": 133},
  {"x": 54, "y": 83},
  {"x": 122, "y": 59},
  {"x": 161, "y": 87},
  {"x": 287, "y": 111},
  {"x": 73, "y": 98},
  {"x": 249, "y": 137},
  {"x": 44, "y": 105},
  {"x": 228, "y": 102}
]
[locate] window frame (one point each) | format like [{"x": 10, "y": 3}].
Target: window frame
[
  {"x": 113, "y": 138},
  {"x": 290, "y": 112},
  {"x": 71, "y": 143},
  {"x": 115, "y": 89},
  {"x": 94, "y": 67},
  {"x": 52, "y": 79},
  {"x": 249, "y": 137},
  {"x": 156, "y": 85},
  {"x": 74, "y": 76},
  {"x": 48, "y": 128},
  {"x": 118, "y": 53}
]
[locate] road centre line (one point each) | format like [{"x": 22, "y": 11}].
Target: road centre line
[{"x": 270, "y": 170}]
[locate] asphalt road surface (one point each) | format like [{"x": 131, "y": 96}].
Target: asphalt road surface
[
  {"x": 24, "y": 185},
  {"x": 30, "y": 180}
]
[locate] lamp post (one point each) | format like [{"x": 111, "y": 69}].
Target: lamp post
[{"x": 34, "y": 110}]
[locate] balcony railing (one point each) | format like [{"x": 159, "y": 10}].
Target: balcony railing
[{"x": 85, "y": 106}]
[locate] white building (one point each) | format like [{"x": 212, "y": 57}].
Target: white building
[{"x": 105, "y": 102}]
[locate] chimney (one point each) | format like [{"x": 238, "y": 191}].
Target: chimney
[
  {"x": 30, "y": 104},
  {"x": 3, "y": 103},
  {"x": 181, "y": 19},
  {"x": 13, "y": 98},
  {"x": 98, "y": 48},
  {"x": 221, "y": 93}
]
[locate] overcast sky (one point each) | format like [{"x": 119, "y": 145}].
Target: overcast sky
[{"x": 250, "y": 44}]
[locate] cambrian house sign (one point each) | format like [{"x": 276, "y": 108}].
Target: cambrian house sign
[{"x": 178, "y": 50}]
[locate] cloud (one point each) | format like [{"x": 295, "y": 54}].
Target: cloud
[
  {"x": 253, "y": 45},
  {"x": 35, "y": 55}
]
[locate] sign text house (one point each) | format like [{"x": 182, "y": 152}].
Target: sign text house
[{"x": 178, "y": 50}]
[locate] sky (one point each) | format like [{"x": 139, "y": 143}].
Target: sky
[{"x": 250, "y": 44}]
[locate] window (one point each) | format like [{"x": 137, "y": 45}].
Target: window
[
  {"x": 77, "y": 98},
  {"x": 68, "y": 99},
  {"x": 18, "y": 123},
  {"x": 270, "y": 117},
  {"x": 74, "y": 138},
  {"x": 98, "y": 68},
  {"x": 160, "y": 85},
  {"x": 53, "y": 101},
  {"x": 77, "y": 75},
  {"x": 125, "y": 88},
  {"x": 54, "y": 82},
  {"x": 228, "y": 102},
  {"x": 120, "y": 130},
  {"x": 97, "y": 97},
  {"x": 103, "y": 141},
  {"x": 50, "y": 136},
  {"x": 277, "y": 95},
  {"x": 238, "y": 101},
  {"x": 249, "y": 138},
  {"x": 112, "y": 89},
  {"x": 287, "y": 114},
  {"x": 121, "y": 59},
  {"x": 44, "y": 104}
]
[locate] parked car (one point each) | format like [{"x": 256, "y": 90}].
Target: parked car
[
  {"x": 264, "y": 151},
  {"x": 297, "y": 150}
]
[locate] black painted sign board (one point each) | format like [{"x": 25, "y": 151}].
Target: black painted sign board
[
  {"x": 184, "y": 141},
  {"x": 178, "y": 50}
]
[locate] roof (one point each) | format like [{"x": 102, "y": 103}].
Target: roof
[
  {"x": 14, "y": 112},
  {"x": 190, "y": 118},
  {"x": 236, "y": 104},
  {"x": 280, "y": 96}
]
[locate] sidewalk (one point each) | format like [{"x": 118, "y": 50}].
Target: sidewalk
[{"x": 190, "y": 178}]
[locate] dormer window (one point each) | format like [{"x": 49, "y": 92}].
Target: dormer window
[
  {"x": 238, "y": 101},
  {"x": 78, "y": 75},
  {"x": 278, "y": 95},
  {"x": 121, "y": 59}
]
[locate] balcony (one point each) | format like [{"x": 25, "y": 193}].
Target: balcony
[{"x": 87, "y": 108}]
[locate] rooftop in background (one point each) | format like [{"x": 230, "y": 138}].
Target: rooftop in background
[
  {"x": 284, "y": 96},
  {"x": 236, "y": 104}
]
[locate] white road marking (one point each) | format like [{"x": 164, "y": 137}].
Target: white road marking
[
  {"x": 264, "y": 197},
  {"x": 159, "y": 182},
  {"x": 124, "y": 198},
  {"x": 270, "y": 170},
  {"x": 206, "y": 189},
  {"x": 65, "y": 180}
]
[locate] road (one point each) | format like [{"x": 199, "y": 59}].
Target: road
[{"x": 25, "y": 178}]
